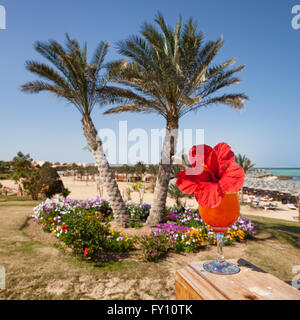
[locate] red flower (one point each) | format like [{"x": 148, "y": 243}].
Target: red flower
[
  {"x": 213, "y": 173},
  {"x": 86, "y": 252},
  {"x": 64, "y": 228}
]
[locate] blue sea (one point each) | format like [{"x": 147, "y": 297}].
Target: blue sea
[{"x": 290, "y": 172}]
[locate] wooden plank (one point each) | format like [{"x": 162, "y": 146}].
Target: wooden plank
[
  {"x": 190, "y": 279},
  {"x": 264, "y": 284},
  {"x": 251, "y": 283},
  {"x": 225, "y": 284},
  {"x": 184, "y": 291}
]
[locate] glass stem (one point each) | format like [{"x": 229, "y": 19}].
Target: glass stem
[{"x": 220, "y": 256}]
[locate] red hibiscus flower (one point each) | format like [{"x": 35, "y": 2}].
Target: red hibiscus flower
[
  {"x": 213, "y": 173},
  {"x": 64, "y": 228},
  {"x": 86, "y": 252}
]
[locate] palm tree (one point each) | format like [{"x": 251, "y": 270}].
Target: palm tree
[
  {"x": 246, "y": 164},
  {"x": 78, "y": 82},
  {"x": 170, "y": 73},
  {"x": 175, "y": 168},
  {"x": 140, "y": 169},
  {"x": 153, "y": 169},
  {"x": 127, "y": 170},
  {"x": 177, "y": 195}
]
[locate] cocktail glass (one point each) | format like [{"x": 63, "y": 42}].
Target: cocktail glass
[{"x": 221, "y": 218}]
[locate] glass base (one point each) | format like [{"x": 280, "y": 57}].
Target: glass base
[{"x": 221, "y": 267}]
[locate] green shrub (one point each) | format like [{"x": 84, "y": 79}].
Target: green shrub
[
  {"x": 128, "y": 193},
  {"x": 84, "y": 232},
  {"x": 135, "y": 224},
  {"x": 65, "y": 193},
  {"x": 154, "y": 247},
  {"x": 44, "y": 181},
  {"x": 177, "y": 195},
  {"x": 50, "y": 182},
  {"x": 88, "y": 235},
  {"x": 5, "y": 176},
  {"x": 139, "y": 187}
]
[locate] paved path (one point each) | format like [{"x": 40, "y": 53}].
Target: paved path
[{"x": 290, "y": 215}]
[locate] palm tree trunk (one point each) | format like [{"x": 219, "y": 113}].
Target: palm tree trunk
[
  {"x": 157, "y": 213},
  {"x": 105, "y": 172}
]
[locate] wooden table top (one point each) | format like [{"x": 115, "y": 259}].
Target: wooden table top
[{"x": 251, "y": 283}]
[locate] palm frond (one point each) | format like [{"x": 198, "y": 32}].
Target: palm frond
[
  {"x": 234, "y": 100},
  {"x": 100, "y": 54},
  {"x": 172, "y": 68},
  {"x": 46, "y": 72},
  {"x": 135, "y": 107},
  {"x": 244, "y": 162},
  {"x": 69, "y": 76}
]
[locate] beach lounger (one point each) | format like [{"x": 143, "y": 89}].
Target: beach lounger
[
  {"x": 270, "y": 206},
  {"x": 256, "y": 205}
]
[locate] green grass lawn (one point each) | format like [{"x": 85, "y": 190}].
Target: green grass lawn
[
  {"x": 276, "y": 248},
  {"x": 281, "y": 230},
  {"x": 19, "y": 201},
  {"x": 16, "y": 198}
]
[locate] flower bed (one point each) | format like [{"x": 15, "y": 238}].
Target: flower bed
[
  {"x": 191, "y": 218},
  {"x": 241, "y": 230},
  {"x": 84, "y": 226}
]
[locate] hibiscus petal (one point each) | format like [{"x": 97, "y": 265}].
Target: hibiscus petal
[
  {"x": 232, "y": 178},
  {"x": 188, "y": 180},
  {"x": 224, "y": 154},
  {"x": 203, "y": 154},
  {"x": 212, "y": 163},
  {"x": 209, "y": 195},
  {"x": 198, "y": 154}
]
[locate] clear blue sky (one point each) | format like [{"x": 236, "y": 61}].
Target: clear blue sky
[{"x": 257, "y": 33}]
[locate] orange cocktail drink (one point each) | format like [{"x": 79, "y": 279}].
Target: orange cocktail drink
[
  {"x": 223, "y": 216},
  {"x": 219, "y": 219},
  {"x": 215, "y": 179}
]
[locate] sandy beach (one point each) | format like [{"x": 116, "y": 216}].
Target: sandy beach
[{"x": 83, "y": 190}]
